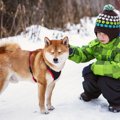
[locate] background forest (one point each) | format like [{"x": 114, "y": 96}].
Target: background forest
[{"x": 16, "y": 15}]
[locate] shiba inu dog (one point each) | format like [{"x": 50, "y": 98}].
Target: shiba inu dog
[{"x": 42, "y": 65}]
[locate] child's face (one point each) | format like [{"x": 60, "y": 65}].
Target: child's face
[{"x": 103, "y": 38}]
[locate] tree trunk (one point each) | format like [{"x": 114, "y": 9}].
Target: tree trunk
[{"x": 16, "y": 15}]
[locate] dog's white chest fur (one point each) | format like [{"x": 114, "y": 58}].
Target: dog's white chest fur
[{"x": 49, "y": 78}]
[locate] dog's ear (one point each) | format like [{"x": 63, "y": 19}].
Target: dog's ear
[
  {"x": 47, "y": 41},
  {"x": 66, "y": 41}
]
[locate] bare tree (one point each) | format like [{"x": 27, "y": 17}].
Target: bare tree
[{"x": 16, "y": 15}]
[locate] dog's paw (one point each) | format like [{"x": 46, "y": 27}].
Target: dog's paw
[
  {"x": 44, "y": 112},
  {"x": 51, "y": 108}
]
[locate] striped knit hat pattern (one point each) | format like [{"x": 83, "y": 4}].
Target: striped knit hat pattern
[{"x": 108, "y": 22}]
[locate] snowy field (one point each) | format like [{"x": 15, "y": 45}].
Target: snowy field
[{"x": 20, "y": 101}]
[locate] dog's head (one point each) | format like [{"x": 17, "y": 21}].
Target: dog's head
[{"x": 56, "y": 51}]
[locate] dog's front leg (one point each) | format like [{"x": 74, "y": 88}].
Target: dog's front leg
[
  {"x": 41, "y": 92},
  {"x": 49, "y": 91}
]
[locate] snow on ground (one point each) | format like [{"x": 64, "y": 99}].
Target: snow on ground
[{"x": 20, "y": 101}]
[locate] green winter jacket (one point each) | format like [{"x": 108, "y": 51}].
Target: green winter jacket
[{"x": 107, "y": 57}]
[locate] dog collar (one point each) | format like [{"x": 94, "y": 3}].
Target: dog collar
[{"x": 55, "y": 75}]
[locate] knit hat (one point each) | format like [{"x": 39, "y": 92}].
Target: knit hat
[{"x": 108, "y": 22}]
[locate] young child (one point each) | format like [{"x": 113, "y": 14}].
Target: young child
[{"x": 102, "y": 76}]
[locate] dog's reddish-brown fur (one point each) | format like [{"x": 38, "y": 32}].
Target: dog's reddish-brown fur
[{"x": 16, "y": 62}]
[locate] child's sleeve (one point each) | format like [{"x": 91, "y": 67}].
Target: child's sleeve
[
  {"x": 81, "y": 54},
  {"x": 107, "y": 68}
]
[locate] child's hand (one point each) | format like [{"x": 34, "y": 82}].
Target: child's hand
[{"x": 71, "y": 50}]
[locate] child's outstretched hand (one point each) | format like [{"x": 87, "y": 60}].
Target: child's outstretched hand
[{"x": 70, "y": 50}]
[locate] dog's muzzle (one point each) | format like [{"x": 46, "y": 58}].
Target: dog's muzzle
[{"x": 55, "y": 60}]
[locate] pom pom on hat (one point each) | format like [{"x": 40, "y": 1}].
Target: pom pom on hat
[
  {"x": 108, "y": 7},
  {"x": 108, "y": 22}
]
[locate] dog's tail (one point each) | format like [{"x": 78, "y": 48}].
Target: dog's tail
[{"x": 8, "y": 47}]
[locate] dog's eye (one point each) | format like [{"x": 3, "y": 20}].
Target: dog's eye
[
  {"x": 59, "y": 51},
  {"x": 52, "y": 52}
]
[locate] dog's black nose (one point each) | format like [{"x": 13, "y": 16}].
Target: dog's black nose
[{"x": 55, "y": 60}]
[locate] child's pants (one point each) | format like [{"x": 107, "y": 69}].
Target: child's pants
[{"x": 95, "y": 85}]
